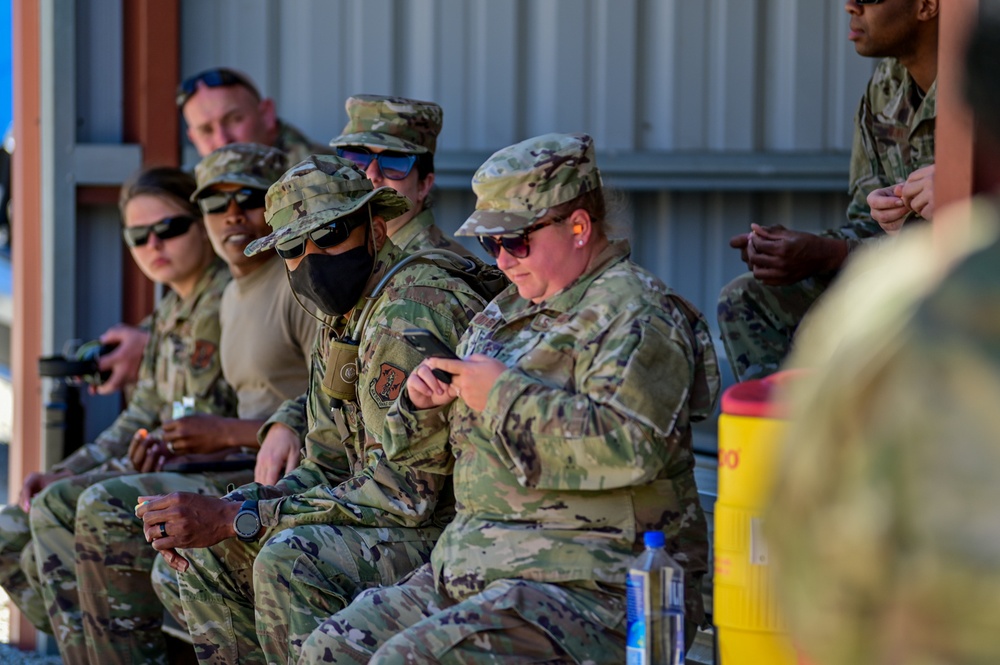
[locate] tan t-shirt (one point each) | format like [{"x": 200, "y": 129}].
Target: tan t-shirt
[{"x": 266, "y": 340}]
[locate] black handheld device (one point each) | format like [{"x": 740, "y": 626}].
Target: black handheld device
[{"x": 427, "y": 343}]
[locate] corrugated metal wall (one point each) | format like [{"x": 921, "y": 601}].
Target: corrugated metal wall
[{"x": 658, "y": 83}]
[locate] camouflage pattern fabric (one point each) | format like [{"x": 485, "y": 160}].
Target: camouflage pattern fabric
[
  {"x": 296, "y": 145},
  {"x": 514, "y": 620},
  {"x": 344, "y": 480},
  {"x": 317, "y": 191},
  {"x": 392, "y": 123},
  {"x": 893, "y": 136},
  {"x": 422, "y": 233},
  {"x": 883, "y": 519},
  {"x": 510, "y": 199},
  {"x": 246, "y": 164},
  {"x": 18, "y": 570},
  {"x": 181, "y": 359},
  {"x": 95, "y": 562}
]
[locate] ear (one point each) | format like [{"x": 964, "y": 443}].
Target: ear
[
  {"x": 379, "y": 232},
  {"x": 268, "y": 114},
  {"x": 582, "y": 227},
  {"x": 424, "y": 188},
  {"x": 927, "y": 10}
]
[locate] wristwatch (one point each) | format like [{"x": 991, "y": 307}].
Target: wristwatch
[{"x": 246, "y": 524}]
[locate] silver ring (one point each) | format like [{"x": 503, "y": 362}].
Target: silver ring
[
  {"x": 163, "y": 529},
  {"x": 170, "y": 447}
]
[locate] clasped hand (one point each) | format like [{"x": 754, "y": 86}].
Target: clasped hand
[{"x": 471, "y": 381}]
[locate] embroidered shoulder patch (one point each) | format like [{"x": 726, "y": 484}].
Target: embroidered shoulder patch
[
  {"x": 203, "y": 354},
  {"x": 385, "y": 388}
]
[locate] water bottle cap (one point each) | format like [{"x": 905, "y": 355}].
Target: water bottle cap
[{"x": 654, "y": 539}]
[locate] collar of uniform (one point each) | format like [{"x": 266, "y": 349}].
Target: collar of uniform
[
  {"x": 403, "y": 237},
  {"x": 513, "y": 306},
  {"x": 217, "y": 275},
  {"x": 906, "y": 91}
]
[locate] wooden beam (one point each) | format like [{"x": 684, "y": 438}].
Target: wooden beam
[
  {"x": 151, "y": 58},
  {"x": 26, "y": 195}
]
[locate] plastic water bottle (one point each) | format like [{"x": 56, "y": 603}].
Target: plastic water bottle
[{"x": 655, "y": 588}]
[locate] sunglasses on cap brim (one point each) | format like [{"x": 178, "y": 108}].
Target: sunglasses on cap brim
[
  {"x": 516, "y": 244},
  {"x": 247, "y": 198},
  {"x": 394, "y": 165},
  {"x": 213, "y": 78},
  {"x": 325, "y": 237},
  {"x": 165, "y": 229},
  {"x": 867, "y": 2}
]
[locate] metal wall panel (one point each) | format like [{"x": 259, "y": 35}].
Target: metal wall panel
[{"x": 654, "y": 81}]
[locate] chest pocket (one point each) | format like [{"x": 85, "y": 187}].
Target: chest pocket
[{"x": 546, "y": 356}]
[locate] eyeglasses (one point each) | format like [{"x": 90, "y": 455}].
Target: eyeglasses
[
  {"x": 324, "y": 237},
  {"x": 867, "y": 2},
  {"x": 394, "y": 165},
  {"x": 212, "y": 78},
  {"x": 247, "y": 198},
  {"x": 516, "y": 245},
  {"x": 170, "y": 227}
]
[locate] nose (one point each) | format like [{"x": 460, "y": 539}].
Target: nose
[
  {"x": 505, "y": 260},
  {"x": 234, "y": 213},
  {"x": 374, "y": 172},
  {"x": 154, "y": 241},
  {"x": 852, "y": 7}
]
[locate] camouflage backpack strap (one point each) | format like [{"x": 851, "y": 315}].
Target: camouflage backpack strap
[
  {"x": 486, "y": 280},
  {"x": 707, "y": 379}
]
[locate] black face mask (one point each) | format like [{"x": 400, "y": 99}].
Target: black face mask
[{"x": 334, "y": 283}]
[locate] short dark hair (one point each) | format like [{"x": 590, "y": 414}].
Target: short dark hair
[
  {"x": 424, "y": 164},
  {"x": 165, "y": 182},
  {"x": 593, "y": 203}
]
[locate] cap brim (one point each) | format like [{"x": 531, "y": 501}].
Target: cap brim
[
  {"x": 385, "y": 202},
  {"x": 498, "y": 222},
  {"x": 232, "y": 179},
  {"x": 378, "y": 140}
]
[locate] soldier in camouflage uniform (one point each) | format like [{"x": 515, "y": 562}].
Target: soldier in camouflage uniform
[
  {"x": 568, "y": 428},
  {"x": 759, "y": 312},
  {"x": 393, "y": 140},
  {"x": 884, "y": 518},
  {"x": 108, "y": 610},
  {"x": 168, "y": 241},
  {"x": 220, "y": 106},
  {"x": 347, "y": 518}
]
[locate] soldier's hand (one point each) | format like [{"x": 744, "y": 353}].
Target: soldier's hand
[
  {"x": 425, "y": 390},
  {"x": 781, "y": 256},
  {"x": 888, "y": 208},
  {"x": 147, "y": 452},
  {"x": 186, "y": 520},
  {"x": 918, "y": 192},
  {"x": 200, "y": 433},
  {"x": 279, "y": 454},
  {"x": 124, "y": 361},
  {"x": 35, "y": 483},
  {"x": 471, "y": 379},
  {"x": 742, "y": 242}
]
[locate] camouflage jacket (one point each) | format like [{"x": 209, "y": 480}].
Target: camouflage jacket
[
  {"x": 422, "y": 233},
  {"x": 893, "y": 136},
  {"x": 886, "y": 485},
  {"x": 345, "y": 477},
  {"x": 296, "y": 144},
  {"x": 180, "y": 360},
  {"x": 585, "y": 441}
]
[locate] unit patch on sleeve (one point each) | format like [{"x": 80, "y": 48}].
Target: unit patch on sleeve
[{"x": 385, "y": 388}]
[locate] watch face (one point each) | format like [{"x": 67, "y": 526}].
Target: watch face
[{"x": 246, "y": 524}]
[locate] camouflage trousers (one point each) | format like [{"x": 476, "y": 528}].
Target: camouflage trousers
[
  {"x": 757, "y": 322},
  {"x": 18, "y": 571},
  {"x": 510, "y": 621},
  {"x": 96, "y": 564},
  {"x": 250, "y": 603}
]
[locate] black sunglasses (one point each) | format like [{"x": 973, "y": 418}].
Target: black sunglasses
[
  {"x": 169, "y": 227},
  {"x": 212, "y": 78},
  {"x": 867, "y": 2},
  {"x": 324, "y": 237},
  {"x": 517, "y": 245},
  {"x": 394, "y": 165},
  {"x": 247, "y": 198}
]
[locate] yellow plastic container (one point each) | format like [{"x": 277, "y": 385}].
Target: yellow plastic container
[{"x": 750, "y": 629}]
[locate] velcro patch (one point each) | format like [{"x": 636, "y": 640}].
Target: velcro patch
[
  {"x": 385, "y": 388},
  {"x": 203, "y": 354}
]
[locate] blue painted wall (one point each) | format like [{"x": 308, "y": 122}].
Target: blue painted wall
[{"x": 6, "y": 53}]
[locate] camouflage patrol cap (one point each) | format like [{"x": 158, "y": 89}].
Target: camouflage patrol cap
[
  {"x": 317, "y": 191},
  {"x": 246, "y": 164},
  {"x": 393, "y": 123},
  {"x": 517, "y": 185}
]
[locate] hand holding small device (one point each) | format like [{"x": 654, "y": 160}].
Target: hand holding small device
[{"x": 427, "y": 343}]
